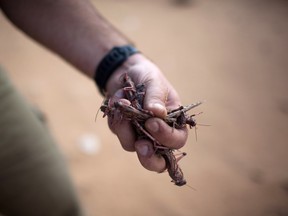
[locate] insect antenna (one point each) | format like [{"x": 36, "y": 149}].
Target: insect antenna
[
  {"x": 96, "y": 114},
  {"x": 197, "y": 114},
  {"x": 103, "y": 102},
  {"x": 206, "y": 125},
  {"x": 196, "y": 136},
  {"x": 192, "y": 188}
]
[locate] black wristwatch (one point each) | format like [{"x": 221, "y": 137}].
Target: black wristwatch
[{"x": 110, "y": 63}]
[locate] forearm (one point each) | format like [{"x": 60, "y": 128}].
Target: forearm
[{"x": 71, "y": 28}]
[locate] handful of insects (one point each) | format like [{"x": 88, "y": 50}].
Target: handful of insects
[{"x": 134, "y": 112}]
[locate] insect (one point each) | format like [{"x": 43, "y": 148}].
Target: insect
[
  {"x": 134, "y": 112},
  {"x": 172, "y": 166}
]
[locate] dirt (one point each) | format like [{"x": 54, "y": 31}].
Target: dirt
[{"x": 232, "y": 54}]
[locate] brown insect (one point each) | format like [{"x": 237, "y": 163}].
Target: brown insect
[
  {"x": 172, "y": 166},
  {"x": 177, "y": 118}
]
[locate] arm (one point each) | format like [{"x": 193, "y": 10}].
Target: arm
[
  {"x": 71, "y": 28},
  {"x": 74, "y": 30}
]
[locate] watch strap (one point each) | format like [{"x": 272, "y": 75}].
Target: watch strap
[{"x": 110, "y": 63}]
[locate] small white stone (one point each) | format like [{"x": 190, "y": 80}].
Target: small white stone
[{"x": 89, "y": 144}]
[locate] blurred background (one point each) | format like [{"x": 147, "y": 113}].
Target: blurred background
[{"x": 231, "y": 53}]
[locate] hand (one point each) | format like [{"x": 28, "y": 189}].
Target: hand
[{"x": 160, "y": 97}]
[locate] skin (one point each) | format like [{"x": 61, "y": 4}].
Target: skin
[{"x": 75, "y": 31}]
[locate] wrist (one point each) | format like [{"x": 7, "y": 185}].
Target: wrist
[
  {"x": 114, "y": 59},
  {"x": 114, "y": 82}
]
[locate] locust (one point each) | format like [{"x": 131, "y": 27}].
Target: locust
[{"x": 177, "y": 118}]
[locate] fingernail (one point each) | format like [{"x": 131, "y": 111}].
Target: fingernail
[
  {"x": 158, "y": 109},
  {"x": 119, "y": 94},
  {"x": 142, "y": 150},
  {"x": 157, "y": 106},
  {"x": 153, "y": 126}
]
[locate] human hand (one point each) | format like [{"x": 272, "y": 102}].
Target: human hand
[{"x": 160, "y": 96}]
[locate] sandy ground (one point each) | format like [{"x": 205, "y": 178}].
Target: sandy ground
[{"x": 233, "y": 54}]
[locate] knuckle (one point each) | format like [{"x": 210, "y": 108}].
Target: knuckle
[
  {"x": 173, "y": 138},
  {"x": 129, "y": 148},
  {"x": 153, "y": 164}
]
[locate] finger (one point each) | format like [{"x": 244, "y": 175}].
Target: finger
[
  {"x": 156, "y": 88},
  {"x": 125, "y": 133},
  {"x": 173, "y": 100},
  {"x": 148, "y": 158},
  {"x": 155, "y": 98},
  {"x": 122, "y": 128},
  {"x": 166, "y": 135},
  {"x": 161, "y": 97}
]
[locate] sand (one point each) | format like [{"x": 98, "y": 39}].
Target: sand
[{"x": 232, "y": 54}]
